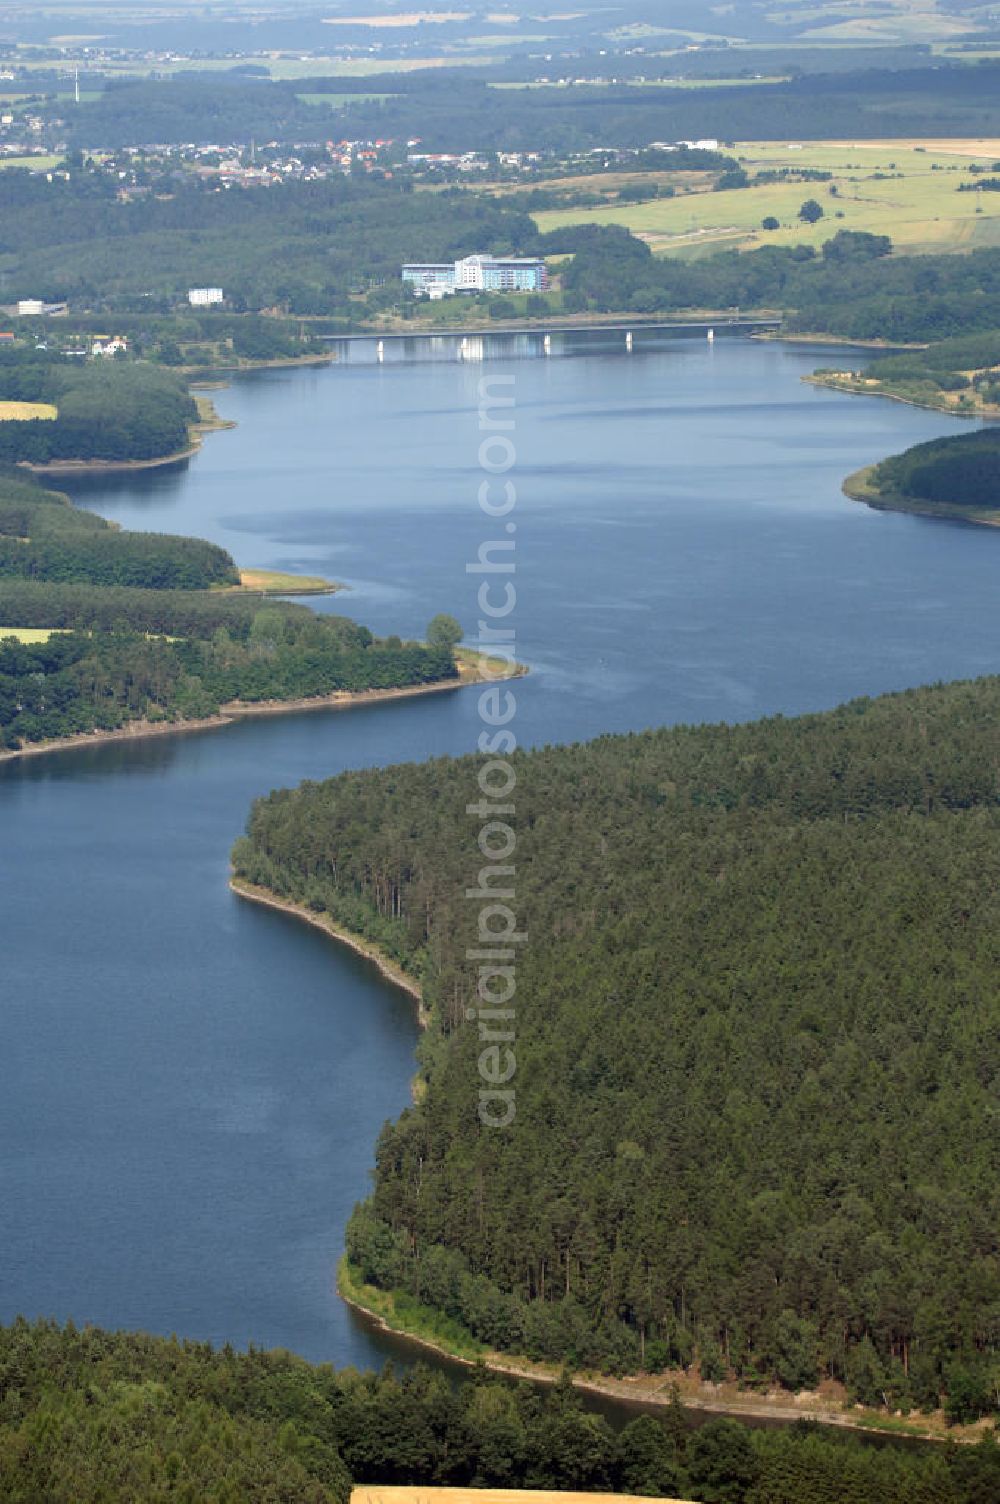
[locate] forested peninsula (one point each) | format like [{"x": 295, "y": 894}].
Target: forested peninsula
[
  {"x": 756, "y": 1047},
  {"x": 957, "y": 478},
  {"x": 104, "y": 631},
  {"x": 101, "y": 411}
]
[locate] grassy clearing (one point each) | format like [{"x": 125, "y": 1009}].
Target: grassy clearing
[
  {"x": 42, "y": 634},
  {"x": 909, "y": 23},
  {"x": 476, "y": 667},
  {"x": 922, "y": 209},
  {"x": 274, "y": 582},
  {"x": 608, "y": 183},
  {"x": 23, "y": 412},
  {"x": 36, "y": 164}
]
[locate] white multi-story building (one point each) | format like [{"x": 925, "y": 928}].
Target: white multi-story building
[
  {"x": 205, "y": 297},
  {"x": 477, "y": 274}
]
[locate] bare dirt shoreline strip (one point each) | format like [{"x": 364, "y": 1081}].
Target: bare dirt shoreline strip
[
  {"x": 371, "y": 951},
  {"x": 470, "y": 672},
  {"x": 659, "y": 1390}
]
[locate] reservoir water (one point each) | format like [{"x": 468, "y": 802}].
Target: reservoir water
[{"x": 193, "y": 1086}]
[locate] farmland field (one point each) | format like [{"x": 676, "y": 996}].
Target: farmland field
[
  {"x": 906, "y": 189},
  {"x": 32, "y": 634},
  {"x": 22, "y": 412},
  {"x": 281, "y": 67},
  {"x": 375, "y": 1494}
]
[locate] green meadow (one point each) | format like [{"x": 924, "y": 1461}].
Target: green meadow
[{"x": 906, "y": 189}]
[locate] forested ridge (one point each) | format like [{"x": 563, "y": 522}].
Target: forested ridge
[
  {"x": 452, "y": 111},
  {"x": 865, "y": 104},
  {"x": 756, "y": 1045},
  {"x": 139, "y": 634},
  {"x": 96, "y": 1417}
]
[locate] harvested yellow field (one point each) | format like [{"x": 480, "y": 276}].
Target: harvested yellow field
[
  {"x": 32, "y": 634},
  {"x": 21, "y": 412},
  {"x": 373, "y": 1494}
]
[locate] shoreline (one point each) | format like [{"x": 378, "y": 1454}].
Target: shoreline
[
  {"x": 790, "y": 337},
  {"x": 323, "y": 921},
  {"x": 230, "y": 713},
  {"x": 985, "y": 414},
  {"x": 203, "y": 375},
  {"x": 276, "y": 583},
  {"x": 657, "y": 1391},
  {"x": 470, "y": 672}
]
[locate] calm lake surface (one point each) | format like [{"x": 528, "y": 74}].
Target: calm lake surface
[{"x": 193, "y": 1086}]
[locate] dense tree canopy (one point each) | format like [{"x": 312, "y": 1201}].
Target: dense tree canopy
[
  {"x": 95, "y": 1417},
  {"x": 43, "y": 537},
  {"x": 455, "y": 111},
  {"x": 305, "y": 246},
  {"x": 961, "y": 472},
  {"x": 106, "y": 410},
  {"x": 756, "y": 1041}
]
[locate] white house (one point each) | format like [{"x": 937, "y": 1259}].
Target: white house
[{"x": 107, "y": 347}]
